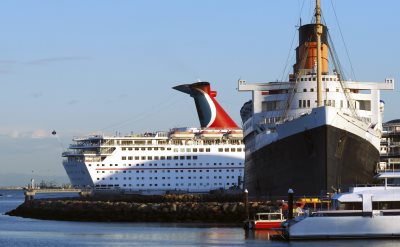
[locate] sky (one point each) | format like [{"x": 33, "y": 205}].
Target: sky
[{"x": 96, "y": 66}]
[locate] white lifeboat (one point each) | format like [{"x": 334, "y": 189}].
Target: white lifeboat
[
  {"x": 182, "y": 135},
  {"x": 210, "y": 134},
  {"x": 235, "y": 134}
]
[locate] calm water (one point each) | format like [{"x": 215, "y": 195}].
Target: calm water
[{"x": 15, "y": 231}]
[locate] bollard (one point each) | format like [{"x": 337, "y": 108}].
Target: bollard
[{"x": 290, "y": 204}]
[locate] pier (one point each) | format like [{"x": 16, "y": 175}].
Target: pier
[{"x": 31, "y": 192}]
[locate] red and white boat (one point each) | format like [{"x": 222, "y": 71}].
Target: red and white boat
[{"x": 266, "y": 221}]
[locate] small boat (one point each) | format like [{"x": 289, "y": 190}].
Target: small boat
[{"x": 265, "y": 221}]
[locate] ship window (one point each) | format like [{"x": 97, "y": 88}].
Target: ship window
[
  {"x": 195, "y": 158},
  {"x": 137, "y": 149},
  {"x": 169, "y": 157},
  {"x": 226, "y": 149},
  {"x": 156, "y": 157},
  {"x": 162, "y": 157},
  {"x": 136, "y": 157},
  {"x": 327, "y": 89},
  {"x": 194, "y": 150},
  {"x": 301, "y": 79},
  {"x": 300, "y": 103},
  {"x": 337, "y": 89},
  {"x": 239, "y": 149},
  {"x": 308, "y": 103},
  {"x": 143, "y": 149},
  {"x": 201, "y": 149},
  {"x": 311, "y": 89},
  {"x": 123, "y": 149},
  {"x": 305, "y": 90},
  {"x": 182, "y": 150},
  {"x": 188, "y": 157},
  {"x": 323, "y": 78},
  {"x": 130, "y": 157},
  {"x": 143, "y": 157},
  {"x": 220, "y": 149},
  {"x": 182, "y": 157},
  {"x": 188, "y": 150},
  {"x": 232, "y": 149},
  {"x": 207, "y": 149}
]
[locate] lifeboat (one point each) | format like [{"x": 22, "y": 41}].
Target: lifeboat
[
  {"x": 235, "y": 134},
  {"x": 182, "y": 135},
  {"x": 209, "y": 134}
]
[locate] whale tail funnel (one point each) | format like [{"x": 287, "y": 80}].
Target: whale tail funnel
[{"x": 211, "y": 114}]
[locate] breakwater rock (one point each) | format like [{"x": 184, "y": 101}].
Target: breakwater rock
[{"x": 124, "y": 211}]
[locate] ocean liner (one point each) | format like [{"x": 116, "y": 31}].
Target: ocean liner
[
  {"x": 315, "y": 133},
  {"x": 180, "y": 160}
]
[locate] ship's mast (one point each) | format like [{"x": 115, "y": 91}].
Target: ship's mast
[{"x": 319, "y": 60}]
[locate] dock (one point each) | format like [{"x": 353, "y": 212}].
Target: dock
[{"x": 31, "y": 192}]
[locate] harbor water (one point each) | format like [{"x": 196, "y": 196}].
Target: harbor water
[{"x": 16, "y": 231}]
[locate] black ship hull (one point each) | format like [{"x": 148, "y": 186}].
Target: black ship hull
[{"x": 312, "y": 163}]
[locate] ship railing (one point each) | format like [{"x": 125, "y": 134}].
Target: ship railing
[{"x": 84, "y": 145}]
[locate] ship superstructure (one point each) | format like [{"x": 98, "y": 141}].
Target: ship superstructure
[
  {"x": 315, "y": 133},
  {"x": 182, "y": 159}
]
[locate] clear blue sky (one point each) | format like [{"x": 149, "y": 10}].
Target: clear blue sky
[{"x": 83, "y": 66}]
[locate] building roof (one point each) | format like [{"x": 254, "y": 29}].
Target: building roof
[{"x": 393, "y": 121}]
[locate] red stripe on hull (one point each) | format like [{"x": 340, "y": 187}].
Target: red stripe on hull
[{"x": 267, "y": 225}]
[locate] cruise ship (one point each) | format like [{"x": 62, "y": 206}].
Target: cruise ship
[
  {"x": 193, "y": 160},
  {"x": 315, "y": 133}
]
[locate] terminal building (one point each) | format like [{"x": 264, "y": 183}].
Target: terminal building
[{"x": 390, "y": 147}]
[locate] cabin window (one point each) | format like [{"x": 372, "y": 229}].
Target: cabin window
[
  {"x": 363, "y": 105},
  {"x": 305, "y": 90},
  {"x": 269, "y": 105}
]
